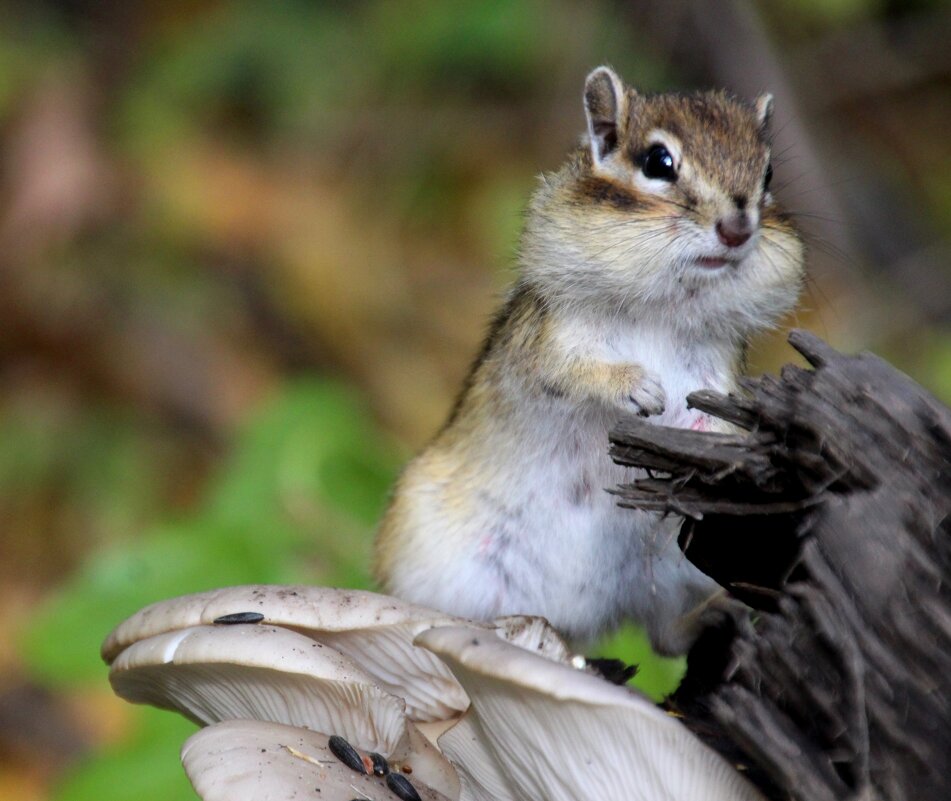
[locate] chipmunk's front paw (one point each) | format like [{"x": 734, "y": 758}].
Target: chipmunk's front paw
[{"x": 648, "y": 397}]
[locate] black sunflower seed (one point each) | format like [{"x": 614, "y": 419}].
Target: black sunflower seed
[
  {"x": 346, "y": 753},
  {"x": 239, "y": 617},
  {"x": 401, "y": 787},
  {"x": 380, "y": 766}
]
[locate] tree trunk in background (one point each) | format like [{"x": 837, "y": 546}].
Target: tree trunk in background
[{"x": 831, "y": 518}]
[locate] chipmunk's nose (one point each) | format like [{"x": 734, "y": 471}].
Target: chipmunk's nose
[{"x": 734, "y": 230}]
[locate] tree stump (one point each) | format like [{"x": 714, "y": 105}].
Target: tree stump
[{"x": 828, "y": 514}]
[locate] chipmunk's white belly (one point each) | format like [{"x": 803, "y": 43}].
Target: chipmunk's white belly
[
  {"x": 540, "y": 534},
  {"x": 548, "y": 529},
  {"x": 552, "y": 560}
]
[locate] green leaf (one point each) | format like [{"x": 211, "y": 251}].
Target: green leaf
[{"x": 656, "y": 676}]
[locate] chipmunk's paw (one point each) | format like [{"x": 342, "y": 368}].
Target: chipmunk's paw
[{"x": 648, "y": 397}]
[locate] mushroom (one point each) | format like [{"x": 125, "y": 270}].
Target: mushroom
[
  {"x": 173, "y": 655},
  {"x": 539, "y": 729},
  {"x": 374, "y": 630},
  {"x": 302, "y": 661},
  {"x": 533, "y": 634},
  {"x": 251, "y": 759}
]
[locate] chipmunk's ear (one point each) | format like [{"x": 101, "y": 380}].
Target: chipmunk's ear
[
  {"x": 605, "y": 106},
  {"x": 764, "y": 110}
]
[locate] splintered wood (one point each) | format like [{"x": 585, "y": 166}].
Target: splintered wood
[{"x": 829, "y": 514}]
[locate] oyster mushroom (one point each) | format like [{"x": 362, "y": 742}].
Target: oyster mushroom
[
  {"x": 251, "y": 759},
  {"x": 539, "y": 729},
  {"x": 302, "y": 661},
  {"x": 212, "y": 674},
  {"x": 173, "y": 655},
  {"x": 374, "y": 630}
]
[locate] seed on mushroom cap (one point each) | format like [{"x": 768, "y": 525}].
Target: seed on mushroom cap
[
  {"x": 380, "y": 766},
  {"x": 401, "y": 787},
  {"x": 346, "y": 753},
  {"x": 239, "y": 617}
]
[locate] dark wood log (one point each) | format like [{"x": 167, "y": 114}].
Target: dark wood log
[{"x": 831, "y": 517}]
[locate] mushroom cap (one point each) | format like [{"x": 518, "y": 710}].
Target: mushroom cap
[
  {"x": 251, "y": 759},
  {"x": 268, "y": 673},
  {"x": 540, "y": 729},
  {"x": 342, "y": 661},
  {"x": 374, "y": 631},
  {"x": 216, "y": 673},
  {"x": 533, "y": 634}
]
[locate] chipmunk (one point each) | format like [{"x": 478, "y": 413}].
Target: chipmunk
[{"x": 647, "y": 262}]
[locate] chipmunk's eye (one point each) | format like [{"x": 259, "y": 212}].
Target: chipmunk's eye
[
  {"x": 767, "y": 179},
  {"x": 658, "y": 163}
]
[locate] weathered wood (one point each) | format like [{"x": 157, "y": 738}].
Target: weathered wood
[{"x": 831, "y": 516}]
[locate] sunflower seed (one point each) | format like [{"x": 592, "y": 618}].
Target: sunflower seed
[
  {"x": 380, "y": 766},
  {"x": 346, "y": 753},
  {"x": 239, "y": 617},
  {"x": 401, "y": 787}
]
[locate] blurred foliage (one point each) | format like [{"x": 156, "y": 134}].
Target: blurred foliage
[
  {"x": 246, "y": 252},
  {"x": 144, "y": 766},
  {"x": 311, "y": 469},
  {"x": 812, "y": 14},
  {"x": 805, "y": 16}
]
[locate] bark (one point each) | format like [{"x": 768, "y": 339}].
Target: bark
[{"x": 830, "y": 517}]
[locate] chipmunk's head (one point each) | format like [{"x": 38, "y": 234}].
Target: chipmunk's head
[{"x": 667, "y": 209}]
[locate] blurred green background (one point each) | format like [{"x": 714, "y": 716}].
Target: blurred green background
[{"x": 247, "y": 250}]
